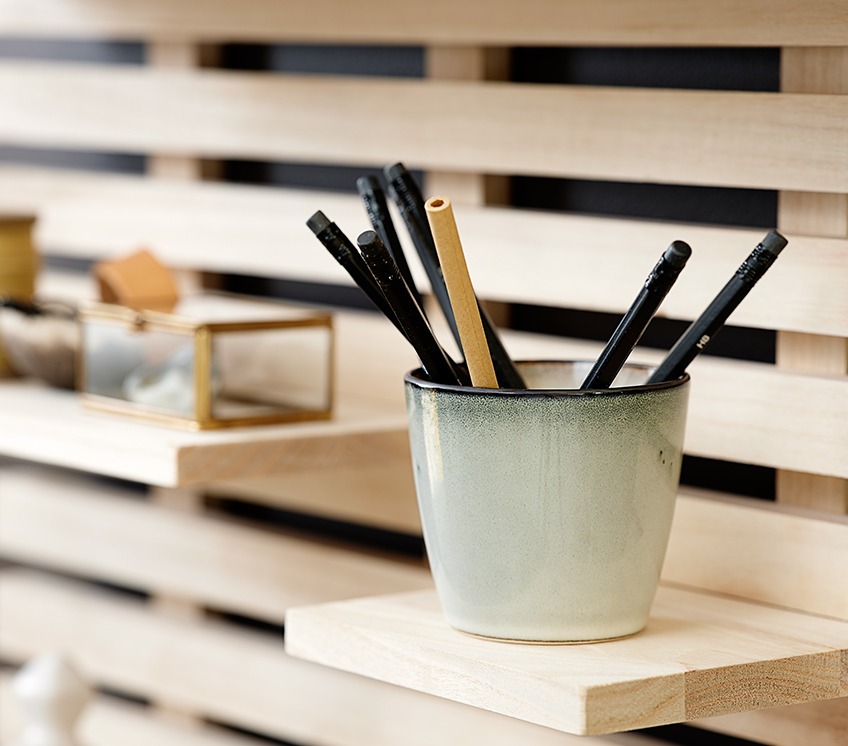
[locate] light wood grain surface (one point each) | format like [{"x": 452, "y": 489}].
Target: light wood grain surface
[
  {"x": 549, "y": 22},
  {"x": 813, "y": 70},
  {"x": 739, "y": 139},
  {"x": 791, "y": 558},
  {"x": 732, "y": 414},
  {"x": 820, "y": 723},
  {"x": 700, "y": 655},
  {"x": 53, "y": 520},
  {"x": 90, "y": 216},
  {"x": 238, "y": 676}
]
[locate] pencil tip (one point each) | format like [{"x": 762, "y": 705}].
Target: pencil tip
[
  {"x": 774, "y": 242},
  {"x": 318, "y": 222},
  {"x": 678, "y": 253}
]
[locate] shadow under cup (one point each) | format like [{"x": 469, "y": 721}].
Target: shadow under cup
[{"x": 546, "y": 512}]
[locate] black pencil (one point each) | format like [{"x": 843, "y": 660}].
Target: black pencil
[
  {"x": 344, "y": 252},
  {"x": 439, "y": 366},
  {"x": 702, "y": 331},
  {"x": 633, "y": 324},
  {"x": 410, "y": 203},
  {"x": 374, "y": 200}
]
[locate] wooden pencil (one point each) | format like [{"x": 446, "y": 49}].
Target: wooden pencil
[{"x": 461, "y": 292}]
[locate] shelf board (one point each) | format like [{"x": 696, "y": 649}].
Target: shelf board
[
  {"x": 701, "y": 655},
  {"x": 51, "y": 426}
]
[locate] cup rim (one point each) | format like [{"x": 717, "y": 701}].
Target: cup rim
[{"x": 416, "y": 378}]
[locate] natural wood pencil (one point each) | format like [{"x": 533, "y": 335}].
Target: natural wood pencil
[{"x": 461, "y": 292}]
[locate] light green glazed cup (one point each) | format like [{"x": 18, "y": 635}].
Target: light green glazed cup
[{"x": 546, "y": 512}]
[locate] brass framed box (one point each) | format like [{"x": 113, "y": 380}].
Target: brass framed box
[{"x": 213, "y": 361}]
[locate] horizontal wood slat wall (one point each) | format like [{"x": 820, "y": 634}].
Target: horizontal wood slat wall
[
  {"x": 552, "y": 22},
  {"x": 760, "y": 140},
  {"x": 90, "y": 215},
  {"x": 792, "y": 419},
  {"x": 726, "y": 421},
  {"x": 108, "y": 721},
  {"x": 55, "y": 521},
  {"x": 51, "y": 520},
  {"x": 191, "y": 664}
]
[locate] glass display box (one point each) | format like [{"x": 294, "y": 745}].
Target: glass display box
[{"x": 213, "y": 361}]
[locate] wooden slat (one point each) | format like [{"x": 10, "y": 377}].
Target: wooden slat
[
  {"x": 237, "y": 677},
  {"x": 384, "y": 497},
  {"x": 758, "y": 415},
  {"x": 813, "y": 71},
  {"x": 738, "y": 411},
  {"x": 107, "y": 721},
  {"x": 197, "y": 226},
  {"x": 553, "y": 22},
  {"x": 700, "y": 655},
  {"x": 763, "y": 140},
  {"x": 786, "y": 557},
  {"x": 819, "y": 723},
  {"x": 171, "y": 54},
  {"x": 467, "y": 63},
  {"x": 53, "y": 520}
]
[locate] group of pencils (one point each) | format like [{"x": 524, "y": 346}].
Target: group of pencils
[{"x": 378, "y": 266}]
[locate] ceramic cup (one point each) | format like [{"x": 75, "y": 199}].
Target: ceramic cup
[{"x": 546, "y": 512}]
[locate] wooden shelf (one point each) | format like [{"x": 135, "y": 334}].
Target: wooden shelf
[
  {"x": 51, "y": 426},
  {"x": 701, "y": 655}
]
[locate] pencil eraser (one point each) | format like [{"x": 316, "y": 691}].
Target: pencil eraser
[
  {"x": 678, "y": 253},
  {"x": 774, "y": 243},
  {"x": 367, "y": 184},
  {"x": 395, "y": 170},
  {"x": 367, "y": 239},
  {"x": 318, "y": 222}
]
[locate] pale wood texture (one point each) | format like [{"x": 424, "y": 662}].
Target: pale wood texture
[
  {"x": 552, "y": 22},
  {"x": 467, "y": 63},
  {"x": 197, "y": 225},
  {"x": 719, "y": 654},
  {"x": 239, "y": 677},
  {"x": 819, "y": 723},
  {"x": 384, "y": 497},
  {"x": 814, "y": 71},
  {"x": 786, "y": 557},
  {"x": 52, "y": 519},
  {"x": 700, "y": 656},
  {"x": 732, "y": 411},
  {"x": 762, "y": 140},
  {"x": 178, "y": 54},
  {"x": 461, "y": 291}
]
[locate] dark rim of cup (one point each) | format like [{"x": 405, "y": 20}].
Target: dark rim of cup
[{"x": 417, "y": 378}]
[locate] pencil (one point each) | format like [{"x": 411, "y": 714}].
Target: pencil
[
  {"x": 633, "y": 324},
  {"x": 374, "y": 200},
  {"x": 437, "y": 364},
  {"x": 407, "y": 196},
  {"x": 411, "y": 206},
  {"x": 462, "y": 298},
  {"x": 345, "y": 253},
  {"x": 703, "y": 330}
]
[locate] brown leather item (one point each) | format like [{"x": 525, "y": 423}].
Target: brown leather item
[{"x": 138, "y": 281}]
